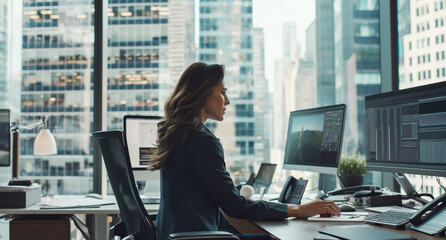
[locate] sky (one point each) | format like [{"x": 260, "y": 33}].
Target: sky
[
  {"x": 315, "y": 123},
  {"x": 270, "y": 15}
]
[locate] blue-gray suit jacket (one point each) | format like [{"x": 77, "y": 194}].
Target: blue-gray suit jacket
[{"x": 195, "y": 186}]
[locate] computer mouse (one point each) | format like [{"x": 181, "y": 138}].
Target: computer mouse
[
  {"x": 94, "y": 195},
  {"x": 347, "y": 208}
]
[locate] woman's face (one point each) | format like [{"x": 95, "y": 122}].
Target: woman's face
[{"x": 215, "y": 105}]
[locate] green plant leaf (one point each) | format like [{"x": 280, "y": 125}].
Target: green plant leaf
[{"x": 352, "y": 164}]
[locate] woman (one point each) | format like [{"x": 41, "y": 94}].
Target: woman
[{"x": 194, "y": 182}]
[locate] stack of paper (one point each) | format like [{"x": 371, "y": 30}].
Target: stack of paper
[{"x": 75, "y": 203}]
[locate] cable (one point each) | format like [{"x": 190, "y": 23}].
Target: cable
[
  {"x": 422, "y": 184},
  {"x": 440, "y": 183}
]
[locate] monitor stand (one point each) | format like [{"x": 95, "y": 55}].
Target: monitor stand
[
  {"x": 327, "y": 182},
  {"x": 409, "y": 189}
]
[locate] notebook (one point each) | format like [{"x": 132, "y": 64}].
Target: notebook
[{"x": 363, "y": 232}]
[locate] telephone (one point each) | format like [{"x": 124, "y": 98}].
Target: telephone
[
  {"x": 354, "y": 189},
  {"x": 293, "y": 190},
  {"x": 431, "y": 217}
]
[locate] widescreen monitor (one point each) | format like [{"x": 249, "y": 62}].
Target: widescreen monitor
[
  {"x": 141, "y": 133},
  {"x": 5, "y": 138},
  {"x": 314, "y": 139},
  {"x": 406, "y": 130}
]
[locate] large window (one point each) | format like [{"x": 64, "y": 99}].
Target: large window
[
  {"x": 56, "y": 69},
  {"x": 279, "y": 57},
  {"x": 421, "y": 57}
]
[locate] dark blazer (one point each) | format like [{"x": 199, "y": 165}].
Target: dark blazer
[{"x": 195, "y": 185}]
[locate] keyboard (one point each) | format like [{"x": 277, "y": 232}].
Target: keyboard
[{"x": 390, "y": 218}]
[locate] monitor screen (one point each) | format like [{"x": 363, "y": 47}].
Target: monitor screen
[
  {"x": 141, "y": 133},
  {"x": 5, "y": 138},
  {"x": 266, "y": 173},
  {"x": 406, "y": 130},
  {"x": 314, "y": 139}
]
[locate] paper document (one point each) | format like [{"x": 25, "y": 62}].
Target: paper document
[
  {"x": 388, "y": 208},
  {"x": 16, "y": 188},
  {"x": 75, "y": 203},
  {"x": 359, "y": 217}
]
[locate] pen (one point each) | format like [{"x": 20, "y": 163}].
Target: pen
[{"x": 354, "y": 216}]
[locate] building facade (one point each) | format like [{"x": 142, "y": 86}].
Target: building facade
[
  {"x": 226, "y": 37},
  {"x": 57, "y": 76},
  {"x": 423, "y": 43}
]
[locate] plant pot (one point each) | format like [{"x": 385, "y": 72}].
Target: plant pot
[{"x": 350, "y": 181}]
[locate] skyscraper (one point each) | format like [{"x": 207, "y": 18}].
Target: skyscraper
[
  {"x": 225, "y": 37},
  {"x": 3, "y": 52},
  {"x": 347, "y": 62},
  {"x": 57, "y": 71},
  {"x": 289, "y": 41},
  {"x": 325, "y": 52},
  {"x": 423, "y": 45},
  {"x": 262, "y": 104}
]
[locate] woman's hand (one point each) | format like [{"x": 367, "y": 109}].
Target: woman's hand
[{"x": 313, "y": 208}]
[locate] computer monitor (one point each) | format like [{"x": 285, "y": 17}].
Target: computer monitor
[
  {"x": 141, "y": 133},
  {"x": 5, "y": 138},
  {"x": 314, "y": 139},
  {"x": 266, "y": 173},
  {"x": 264, "y": 177},
  {"x": 406, "y": 130}
]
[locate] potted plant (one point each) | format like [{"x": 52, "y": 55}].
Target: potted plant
[{"x": 352, "y": 169}]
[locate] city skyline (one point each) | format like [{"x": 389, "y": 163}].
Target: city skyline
[{"x": 335, "y": 59}]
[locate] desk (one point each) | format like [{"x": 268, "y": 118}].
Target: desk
[
  {"x": 100, "y": 215},
  {"x": 288, "y": 229},
  {"x": 306, "y": 230}
]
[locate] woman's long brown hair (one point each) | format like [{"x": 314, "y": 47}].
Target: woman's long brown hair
[{"x": 182, "y": 109}]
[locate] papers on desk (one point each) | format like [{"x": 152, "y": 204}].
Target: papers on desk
[
  {"x": 345, "y": 217},
  {"x": 74, "y": 203},
  {"x": 17, "y": 188},
  {"x": 388, "y": 208}
]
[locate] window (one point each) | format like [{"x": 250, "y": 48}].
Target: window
[
  {"x": 57, "y": 73},
  {"x": 404, "y": 36}
]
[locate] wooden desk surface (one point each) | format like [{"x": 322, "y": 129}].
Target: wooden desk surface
[{"x": 303, "y": 229}]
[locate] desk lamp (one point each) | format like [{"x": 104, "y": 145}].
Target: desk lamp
[{"x": 44, "y": 144}]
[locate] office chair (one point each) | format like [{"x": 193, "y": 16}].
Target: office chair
[{"x": 135, "y": 222}]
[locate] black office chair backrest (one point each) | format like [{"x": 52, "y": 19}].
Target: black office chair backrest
[{"x": 117, "y": 161}]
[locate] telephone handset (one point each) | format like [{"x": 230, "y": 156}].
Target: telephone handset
[
  {"x": 431, "y": 217},
  {"x": 354, "y": 189},
  {"x": 293, "y": 190}
]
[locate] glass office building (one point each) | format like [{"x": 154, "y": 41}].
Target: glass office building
[
  {"x": 422, "y": 57},
  {"x": 57, "y": 70},
  {"x": 57, "y": 76},
  {"x": 353, "y": 71},
  {"x": 150, "y": 42},
  {"x": 226, "y": 37},
  {"x": 3, "y": 51},
  {"x": 3, "y": 68}
]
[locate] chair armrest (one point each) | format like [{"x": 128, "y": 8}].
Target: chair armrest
[{"x": 202, "y": 235}]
